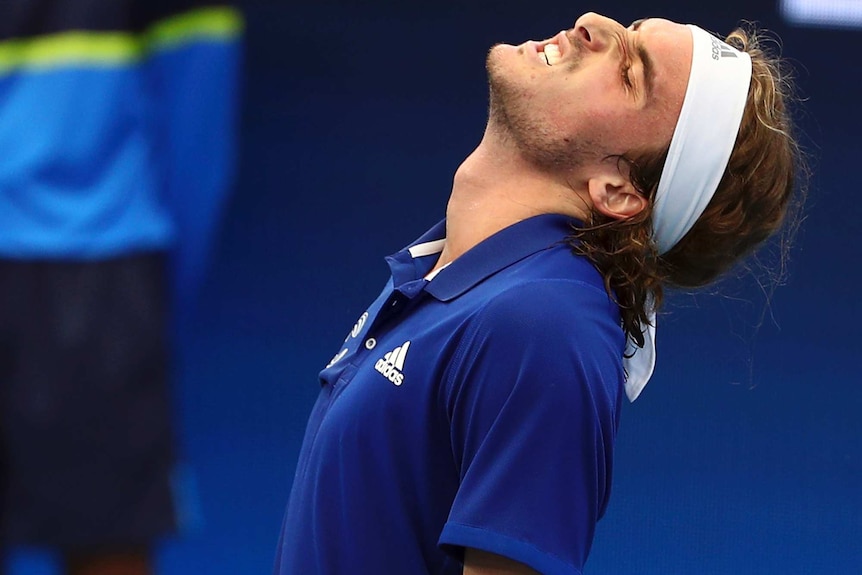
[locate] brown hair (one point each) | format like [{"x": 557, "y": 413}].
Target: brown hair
[{"x": 752, "y": 201}]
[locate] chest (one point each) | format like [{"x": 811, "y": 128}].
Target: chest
[{"x": 389, "y": 375}]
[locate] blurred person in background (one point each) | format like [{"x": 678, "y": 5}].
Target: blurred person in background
[
  {"x": 117, "y": 150},
  {"x": 467, "y": 423}
]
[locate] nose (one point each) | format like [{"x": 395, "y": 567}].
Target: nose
[{"x": 593, "y": 31}]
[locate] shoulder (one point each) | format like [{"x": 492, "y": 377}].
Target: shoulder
[
  {"x": 568, "y": 311},
  {"x": 541, "y": 334},
  {"x": 553, "y": 284}
]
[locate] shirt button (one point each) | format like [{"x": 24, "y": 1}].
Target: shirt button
[{"x": 370, "y": 343}]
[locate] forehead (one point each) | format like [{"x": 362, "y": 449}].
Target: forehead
[
  {"x": 669, "y": 46},
  {"x": 670, "y": 39}
]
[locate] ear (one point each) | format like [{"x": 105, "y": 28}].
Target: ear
[{"x": 615, "y": 196}]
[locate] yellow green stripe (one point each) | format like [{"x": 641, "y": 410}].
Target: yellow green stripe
[
  {"x": 119, "y": 48},
  {"x": 205, "y": 24},
  {"x": 67, "y": 48}
]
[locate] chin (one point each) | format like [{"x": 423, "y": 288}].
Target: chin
[
  {"x": 505, "y": 52},
  {"x": 502, "y": 67},
  {"x": 493, "y": 60}
]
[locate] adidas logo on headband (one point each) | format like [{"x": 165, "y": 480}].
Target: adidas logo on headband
[{"x": 721, "y": 50}]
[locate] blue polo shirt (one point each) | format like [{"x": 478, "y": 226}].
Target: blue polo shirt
[{"x": 478, "y": 409}]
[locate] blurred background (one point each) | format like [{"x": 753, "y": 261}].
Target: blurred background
[{"x": 743, "y": 456}]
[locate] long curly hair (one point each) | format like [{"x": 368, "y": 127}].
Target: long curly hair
[{"x": 754, "y": 199}]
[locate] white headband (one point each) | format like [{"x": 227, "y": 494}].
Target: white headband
[
  {"x": 703, "y": 138},
  {"x": 699, "y": 150}
]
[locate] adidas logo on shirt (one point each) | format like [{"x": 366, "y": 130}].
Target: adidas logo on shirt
[{"x": 391, "y": 364}]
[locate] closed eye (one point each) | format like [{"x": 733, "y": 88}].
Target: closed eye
[
  {"x": 626, "y": 65},
  {"x": 625, "y": 74}
]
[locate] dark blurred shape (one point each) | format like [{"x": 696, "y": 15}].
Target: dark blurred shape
[{"x": 117, "y": 150}]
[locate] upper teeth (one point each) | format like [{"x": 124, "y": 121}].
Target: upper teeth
[{"x": 552, "y": 54}]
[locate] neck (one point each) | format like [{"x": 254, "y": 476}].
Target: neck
[{"x": 496, "y": 187}]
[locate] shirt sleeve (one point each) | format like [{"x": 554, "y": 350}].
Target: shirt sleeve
[
  {"x": 533, "y": 396},
  {"x": 194, "y": 63}
]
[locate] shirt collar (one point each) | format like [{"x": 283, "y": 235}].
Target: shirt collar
[{"x": 499, "y": 251}]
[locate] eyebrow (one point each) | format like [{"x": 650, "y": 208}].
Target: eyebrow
[{"x": 649, "y": 68}]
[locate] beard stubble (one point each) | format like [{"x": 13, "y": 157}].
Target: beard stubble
[{"x": 512, "y": 118}]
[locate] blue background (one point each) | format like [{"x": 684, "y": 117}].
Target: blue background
[{"x": 743, "y": 456}]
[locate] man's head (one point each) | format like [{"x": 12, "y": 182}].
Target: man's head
[
  {"x": 589, "y": 112},
  {"x": 592, "y": 93}
]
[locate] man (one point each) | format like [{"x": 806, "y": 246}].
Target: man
[
  {"x": 116, "y": 125},
  {"x": 467, "y": 423}
]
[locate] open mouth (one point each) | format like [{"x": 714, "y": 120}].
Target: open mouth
[{"x": 550, "y": 53}]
